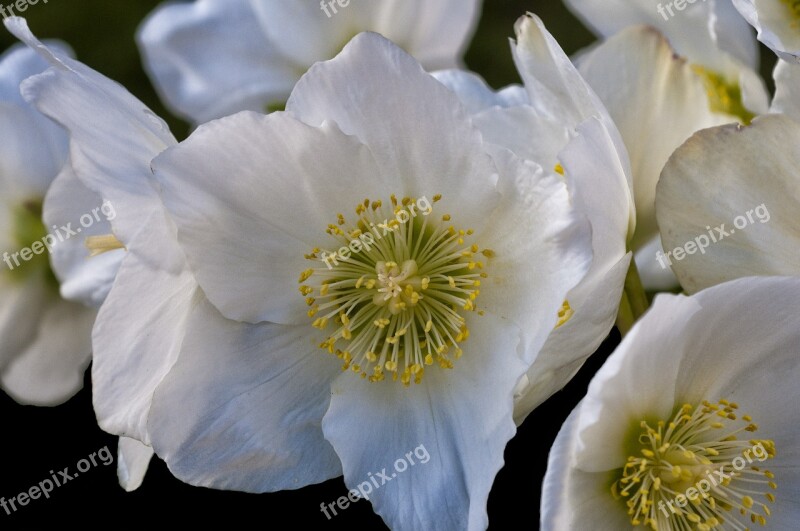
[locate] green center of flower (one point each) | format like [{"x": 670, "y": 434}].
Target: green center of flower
[
  {"x": 30, "y": 256},
  {"x": 699, "y": 471},
  {"x": 724, "y": 96},
  {"x": 393, "y": 296}
]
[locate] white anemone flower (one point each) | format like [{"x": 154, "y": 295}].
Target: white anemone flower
[
  {"x": 777, "y": 23},
  {"x": 212, "y": 58},
  {"x": 421, "y": 290},
  {"x": 661, "y": 89},
  {"x": 692, "y": 422},
  {"x": 751, "y": 229},
  {"x": 559, "y": 122},
  {"x": 113, "y": 137},
  {"x": 46, "y": 338}
]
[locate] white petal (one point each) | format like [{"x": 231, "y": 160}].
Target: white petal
[
  {"x": 427, "y": 147},
  {"x": 136, "y": 341},
  {"x": 251, "y": 195},
  {"x": 756, "y": 166},
  {"x": 654, "y": 270},
  {"x": 463, "y": 438},
  {"x": 211, "y": 58},
  {"x": 50, "y": 368},
  {"x": 693, "y": 31},
  {"x": 242, "y": 407},
  {"x": 534, "y": 229},
  {"x": 133, "y": 459},
  {"x": 787, "y": 89},
  {"x": 776, "y": 24},
  {"x": 563, "y": 485},
  {"x": 83, "y": 279},
  {"x": 656, "y": 101},
  {"x": 114, "y": 136}
]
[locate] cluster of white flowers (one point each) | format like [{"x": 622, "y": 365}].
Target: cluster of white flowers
[{"x": 223, "y": 341}]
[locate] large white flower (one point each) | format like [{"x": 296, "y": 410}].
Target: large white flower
[
  {"x": 559, "y": 122},
  {"x": 777, "y": 22},
  {"x": 661, "y": 89},
  {"x": 751, "y": 228},
  {"x": 212, "y": 58},
  {"x": 692, "y": 422},
  {"x": 430, "y": 299},
  {"x": 46, "y": 339}
]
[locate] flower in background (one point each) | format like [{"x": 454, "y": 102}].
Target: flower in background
[
  {"x": 212, "y": 58},
  {"x": 661, "y": 89},
  {"x": 557, "y": 121},
  {"x": 692, "y": 422},
  {"x": 752, "y": 228},
  {"x": 46, "y": 339},
  {"x": 777, "y": 22},
  {"x": 113, "y": 139}
]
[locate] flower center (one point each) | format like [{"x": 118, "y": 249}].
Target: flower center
[
  {"x": 723, "y": 96},
  {"x": 394, "y": 294},
  {"x": 697, "y": 472},
  {"x": 31, "y": 255}
]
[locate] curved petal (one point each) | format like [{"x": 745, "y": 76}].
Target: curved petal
[
  {"x": 258, "y": 192},
  {"x": 776, "y": 22},
  {"x": 50, "y": 368},
  {"x": 787, "y": 89},
  {"x": 563, "y": 484},
  {"x": 476, "y": 95},
  {"x": 429, "y": 145},
  {"x": 113, "y": 137},
  {"x": 657, "y": 102},
  {"x": 136, "y": 340},
  {"x": 211, "y": 58},
  {"x": 83, "y": 279},
  {"x": 534, "y": 229},
  {"x": 463, "y": 438},
  {"x": 751, "y": 228},
  {"x": 133, "y": 459},
  {"x": 241, "y": 409}
]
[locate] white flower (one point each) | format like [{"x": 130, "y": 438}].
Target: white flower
[
  {"x": 558, "y": 121},
  {"x": 699, "y": 402},
  {"x": 46, "y": 339},
  {"x": 398, "y": 314},
  {"x": 777, "y": 22},
  {"x": 659, "y": 99},
  {"x": 113, "y": 139},
  {"x": 752, "y": 227},
  {"x": 212, "y": 58}
]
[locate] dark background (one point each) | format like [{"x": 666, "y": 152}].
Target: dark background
[{"x": 37, "y": 440}]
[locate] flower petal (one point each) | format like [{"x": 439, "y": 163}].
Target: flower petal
[
  {"x": 748, "y": 230},
  {"x": 251, "y": 195},
  {"x": 136, "y": 341},
  {"x": 776, "y": 22},
  {"x": 50, "y": 368},
  {"x": 428, "y": 146},
  {"x": 133, "y": 459},
  {"x": 83, "y": 279},
  {"x": 241, "y": 409},
  {"x": 787, "y": 89},
  {"x": 211, "y": 58},
  {"x": 462, "y": 437}
]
